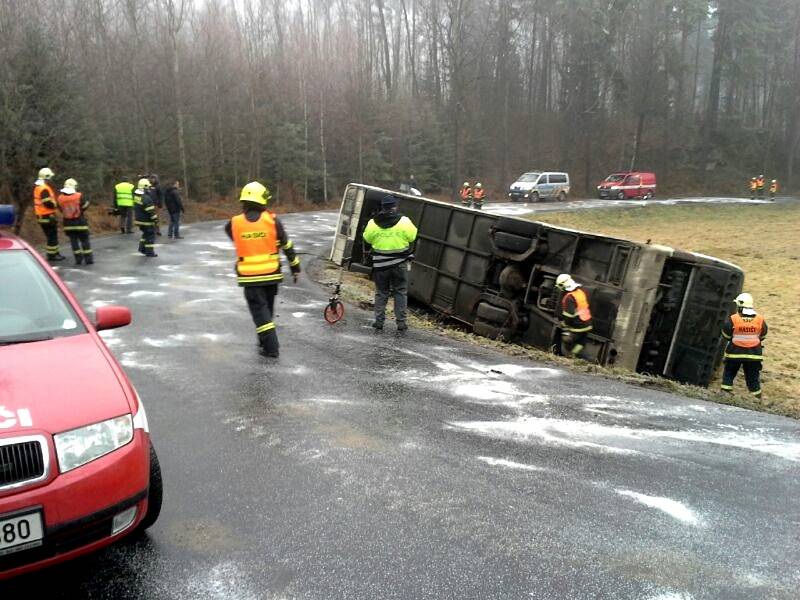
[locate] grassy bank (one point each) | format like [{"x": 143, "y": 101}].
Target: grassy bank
[{"x": 762, "y": 239}]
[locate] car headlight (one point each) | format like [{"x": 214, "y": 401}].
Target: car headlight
[
  {"x": 526, "y": 195},
  {"x": 85, "y": 444}
]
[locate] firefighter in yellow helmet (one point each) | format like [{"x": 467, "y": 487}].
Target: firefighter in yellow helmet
[
  {"x": 145, "y": 217},
  {"x": 576, "y": 316},
  {"x": 745, "y": 331},
  {"x": 257, "y": 235},
  {"x": 44, "y": 206}
]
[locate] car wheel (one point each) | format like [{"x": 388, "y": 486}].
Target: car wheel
[
  {"x": 155, "y": 493},
  {"x": 648, "y": 195},
  {"x": 621, "y": 196},
  {"x": 562, "y": 197},
  {"x": 535, "y": 197}
]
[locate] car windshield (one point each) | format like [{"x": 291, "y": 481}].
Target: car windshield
[
  {"x": 32, "y": 308},
  {"x": 616, "y": 178},
  {"x": 529, "y": 177}
]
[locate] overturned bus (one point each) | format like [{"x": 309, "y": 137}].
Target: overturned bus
[{"x": 655, "y": 309}]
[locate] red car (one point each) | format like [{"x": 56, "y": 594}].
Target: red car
[
  {"x": 632, "y": 184},
  {"x": 77, "y": 467}
]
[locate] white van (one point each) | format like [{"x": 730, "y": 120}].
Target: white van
[{"x": 535, "y": 185}]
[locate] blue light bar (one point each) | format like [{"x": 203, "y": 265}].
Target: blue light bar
[{"x": 6, "y": 214}]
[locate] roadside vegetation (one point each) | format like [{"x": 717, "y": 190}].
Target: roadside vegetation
[{"x": 761, "y": 239}]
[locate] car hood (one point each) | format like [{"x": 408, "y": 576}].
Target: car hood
[
  {"x": 57, "y": 385},
  {"x": 523, "y": 185}
]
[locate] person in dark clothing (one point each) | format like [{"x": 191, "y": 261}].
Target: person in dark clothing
[
  {"x": 146, "y": 217},
  {"x": 391, "y": 236},
  {"x": 257, "y": 235},
  {"x": 157, "y": 194},
  {"x": 175, "y": 209},
  {"x": 73, "y": 205}
]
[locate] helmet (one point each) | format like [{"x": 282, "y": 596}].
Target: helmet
[
  {"x": 45, "y": 173},
  {"x": 144, "y": 183},
  {"x": 774, "y": 181},
  {"x": 478, "y": 185},
  {"x": 565, "y": 282},
  {"x": 744, "y": 300},
  {"x": 466, "y": 184},
  {"x": 255, "y": 192},
  {"x": 71, "y": 183}
]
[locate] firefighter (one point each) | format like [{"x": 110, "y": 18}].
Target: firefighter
[
  {"x": 466, "y": 194},
  {"x": 753, "y": 188},
  {"x": 157, "y": 193},
  {"x": 760, "y": 186},
  {"x": 258, "y": 235},
  {"x": 73, "y": 205},
  {"x": 391, "y": 236},
  {"x": 745, "y": 331},
  {"x": 576, "y": 316},
  {"x": 123, "y": 204},
  {"x": 478, "y": 195},
  {"x": 44, "y": 206},
  {"x": 146, "y": 217},
  {"x": 773, "y": 189}
]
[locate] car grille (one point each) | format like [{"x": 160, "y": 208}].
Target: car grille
[{"x": 20, "y": 462}]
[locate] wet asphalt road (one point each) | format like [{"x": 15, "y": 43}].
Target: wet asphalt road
[{"x": 363, "y": 465}]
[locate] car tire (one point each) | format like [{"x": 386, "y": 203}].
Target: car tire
[
  {"x": 562, "y": 197},
  {"x": 535, "y": 197},
  {"x": 648, "y": 195},
  {"x": 492, "y": 314},
  {"x": 155, "y": 493},
  {"x": 511, "y": 242},
  {"x": 621, "y": 196}
]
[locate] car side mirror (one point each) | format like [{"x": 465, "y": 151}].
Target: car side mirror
[{"x": 111, "y": 317}]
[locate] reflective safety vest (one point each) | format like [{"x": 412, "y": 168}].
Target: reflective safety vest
[
  {"x": 70, "y": 205},
  {"x": 760, "y": 183},
  {"x": 257, "y": 249},
  {"x": 479, "y": 194},
  {"x": 753, "y": 185},
  {"x": 124, "y": 193},
  {"x": 580, "y": 320},
  {"x": 745, "y": 337},
  {"x": 466, "y": 193},
  {"x": 773, "y": 187},
  {"x": 39, "y": 207}
]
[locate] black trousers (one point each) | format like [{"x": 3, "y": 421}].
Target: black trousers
[
  {"x": 125, "y": 218},
  {"x": 81, "y": 246},
  {"x": 147, "y": 244},
  {"x": 261, "y": 302},
  {"x": 49, "y": 227},
  {"x": 752, "y": 375},
  {"x": 572, "y": 344}
]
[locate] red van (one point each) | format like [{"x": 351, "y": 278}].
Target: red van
[{"x": 631, "y": 184}]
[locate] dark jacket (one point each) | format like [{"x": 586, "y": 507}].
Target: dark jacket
[
  {"x": 144, "y": 208},
  {"x": 157, "y": 193},
  {"x": 253, "y": 215},
  {"x": 173, "y": 200}
]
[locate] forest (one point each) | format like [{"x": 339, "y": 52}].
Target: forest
[{"x": 306, "y": 95}]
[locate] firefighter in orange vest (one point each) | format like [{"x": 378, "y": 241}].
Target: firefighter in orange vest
[
  {"x": 760, "y": 186},
  {"x": 773, "y": 189},
  {"x": 753, "y": 188},
  {"x": 44, "y": 206},
  {"x": 466, "y": 194},
  {"x": 72, "y": 204},
  {"x": 745, "y": 330},
  {"x": 576, "y": 316},
  {"x": 478, "y": 195},
  {"x": 258, "y": 236}
]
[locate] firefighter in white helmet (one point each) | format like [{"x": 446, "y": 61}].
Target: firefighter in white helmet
[
  {"x": 745, "y": 331},
  {"x": 44, "y": 206},
  {"x": 576, "y": 316}
]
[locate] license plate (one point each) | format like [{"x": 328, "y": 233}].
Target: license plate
[{"x": 20, "y": 532}]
